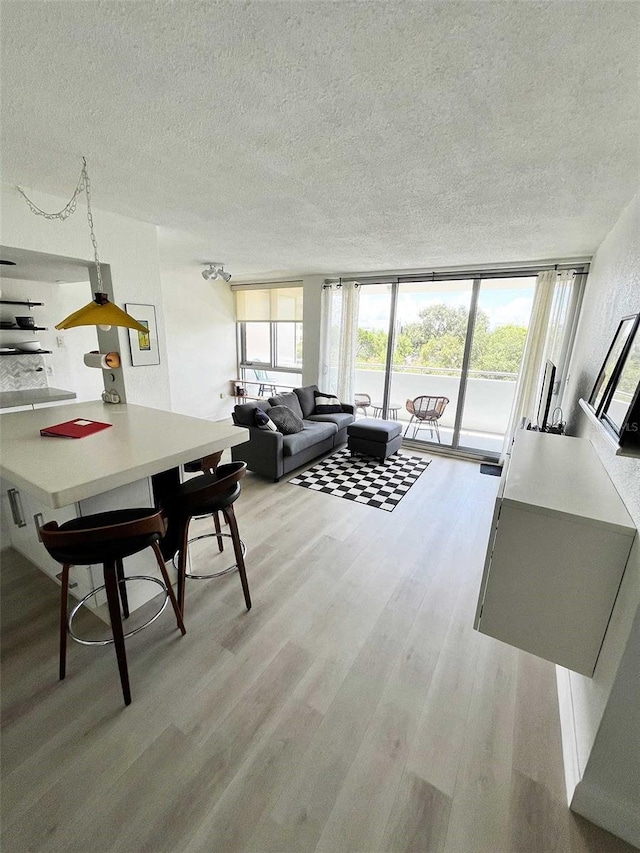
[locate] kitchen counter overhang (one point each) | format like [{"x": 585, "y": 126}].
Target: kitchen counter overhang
[{"x": 141, "y": 442}]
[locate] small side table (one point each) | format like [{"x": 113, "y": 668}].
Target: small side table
[{"x": 393, "y": 410}]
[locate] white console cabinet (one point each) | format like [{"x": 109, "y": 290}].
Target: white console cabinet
[{"x": 559, "y": 543}]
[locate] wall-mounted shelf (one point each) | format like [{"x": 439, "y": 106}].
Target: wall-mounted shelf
[
  {"x": 16, "y": 328},
  {"x": 27, "y": 302},
  {"x": 28, "y": 352}
]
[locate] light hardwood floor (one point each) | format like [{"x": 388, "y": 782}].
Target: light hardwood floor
[{"x": 352, "y": 710}]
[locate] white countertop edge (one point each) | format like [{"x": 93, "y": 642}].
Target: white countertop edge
[
  {"x": 73, "y": 494},
  {"x": 33, "y": 396},
  {"x": 629, "y": 531}
]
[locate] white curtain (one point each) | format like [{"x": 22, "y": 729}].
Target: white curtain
[
  {"x": 535, "y": 349},
  {"x": 339, "y": 339},
  {"x": 560, "y": 318}
]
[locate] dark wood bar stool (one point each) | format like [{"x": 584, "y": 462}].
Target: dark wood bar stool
[
  {"x": 108, "y": 538},
  {"x": 208, "y": 465},
  {"x": 210, "y": 494}
]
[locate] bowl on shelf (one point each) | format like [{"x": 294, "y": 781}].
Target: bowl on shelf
[
  {"x": 28, "y": 346},
  {"x": 25, "y": 322}
]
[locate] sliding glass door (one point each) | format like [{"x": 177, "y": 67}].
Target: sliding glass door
[
  {"x": 431, "y": 326},
  {"x": 499, "y": 331},
  {"x": 443, "y": 357},
  {"x": 374, "y": 319}
]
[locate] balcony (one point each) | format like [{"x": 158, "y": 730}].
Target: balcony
[{"x": 487, "y": 405}]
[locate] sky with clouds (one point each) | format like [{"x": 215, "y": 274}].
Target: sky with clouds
[{"x": 504, "y": 304}]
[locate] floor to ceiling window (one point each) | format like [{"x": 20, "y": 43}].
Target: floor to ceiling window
[
  {"x": 499, "y": 333},
  {"x": 432, "y": 320},
  {"x": 443, "y": 356}
]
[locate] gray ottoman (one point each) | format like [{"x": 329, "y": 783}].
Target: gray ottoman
[{"x": 374, "y": 437}]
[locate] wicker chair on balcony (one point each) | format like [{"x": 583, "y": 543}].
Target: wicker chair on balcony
[
  {"x": 362, "y": 403},
  {"x": 426, "y": 411}
]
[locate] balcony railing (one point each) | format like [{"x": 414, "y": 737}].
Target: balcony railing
[
  {"x": 488, "y": 399},
  {"x": 436, "y": 371}
]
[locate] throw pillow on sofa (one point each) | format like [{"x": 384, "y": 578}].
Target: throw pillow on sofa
[
  {"x": 287, "y": 421},
  {"x": 327, "y": 404},
  {"x": 244, "y": 414},
  {"x": 263, "y": 421},
  {"x": 289, "y": 400}
]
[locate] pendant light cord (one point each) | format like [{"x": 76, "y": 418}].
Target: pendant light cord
[{"x": 83, "y": 185}]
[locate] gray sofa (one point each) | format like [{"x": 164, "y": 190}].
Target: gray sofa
[{"x": 273, "y": 454}]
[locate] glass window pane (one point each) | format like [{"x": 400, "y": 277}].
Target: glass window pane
[
  {"x": 289, "y": 345},
  {"x": 257, "y": 342},
  {"x": 374, "y": 309},
  {"x": 431, "y": 329},
  {"x": 500, "y": 330}
]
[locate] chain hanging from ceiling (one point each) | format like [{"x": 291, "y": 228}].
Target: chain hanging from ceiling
[
  {"x": 100, "y": 312},
  {"x": 83, "y": 185}
]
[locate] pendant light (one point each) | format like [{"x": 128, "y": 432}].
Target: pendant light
[{"x": 100, "y": 312}]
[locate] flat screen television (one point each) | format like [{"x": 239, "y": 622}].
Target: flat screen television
[{"x": 546, "y": 392}]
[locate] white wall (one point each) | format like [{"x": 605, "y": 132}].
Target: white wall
[
  {"x": 130, "y": 248},
  {"x": 607, "y": 707},
  {"x": 201, "y": 342},
  {"x": 65, "y": 367}
]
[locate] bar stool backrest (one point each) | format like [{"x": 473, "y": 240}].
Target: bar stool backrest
[
  {"x": 54, "y": 539},
  {"x": 204, "y": 490},
  {"x": 207, "y": 463}
]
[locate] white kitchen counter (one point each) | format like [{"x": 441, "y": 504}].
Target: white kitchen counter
[
  {"x": 141, "y": 442},
  {"x": 33, "y": 396}
]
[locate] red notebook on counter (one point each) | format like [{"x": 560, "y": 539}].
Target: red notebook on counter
[{"x": 74, "y": 429}]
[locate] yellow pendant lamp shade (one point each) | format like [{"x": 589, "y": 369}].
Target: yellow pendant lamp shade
[{"x": 101, "y": 312}]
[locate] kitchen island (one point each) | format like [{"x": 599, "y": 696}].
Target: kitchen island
[
  {"x": 34, "y": 397},
  {"x": 46, "y": 479}
]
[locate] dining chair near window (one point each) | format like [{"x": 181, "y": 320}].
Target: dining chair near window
[
  {"x": 263, "y": 378},
  {"x": 362, "y": 403},
  {"x": 426, "y": 411}
]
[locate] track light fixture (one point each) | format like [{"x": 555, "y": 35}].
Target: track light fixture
[{"x": 215, "y": 271}]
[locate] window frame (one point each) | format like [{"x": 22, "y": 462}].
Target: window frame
[{"x": 272, "y": 364}]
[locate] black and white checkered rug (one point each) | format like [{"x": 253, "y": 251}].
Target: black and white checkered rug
[{"x": 364, "y": 479}]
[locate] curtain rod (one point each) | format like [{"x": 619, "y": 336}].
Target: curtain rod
[{"x": 444, "y": 275}]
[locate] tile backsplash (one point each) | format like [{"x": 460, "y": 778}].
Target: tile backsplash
[{"x": 22, "y": 372}]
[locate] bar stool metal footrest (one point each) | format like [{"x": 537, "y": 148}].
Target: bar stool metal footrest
[
  {"x": 98, "y": 589},
  {"x": 219, "y": 574}
]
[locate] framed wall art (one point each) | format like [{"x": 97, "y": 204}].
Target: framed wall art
[
  {"x": 623, "y": 335},
  {"x": 144, "y": 345},
  {"x": 621, "y": 408}
]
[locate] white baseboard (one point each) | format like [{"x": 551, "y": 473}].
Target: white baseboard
[{"x": 620, "y": 817}]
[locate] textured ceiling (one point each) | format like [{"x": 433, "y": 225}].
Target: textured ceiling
[{"x": 327, "y": 137}]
